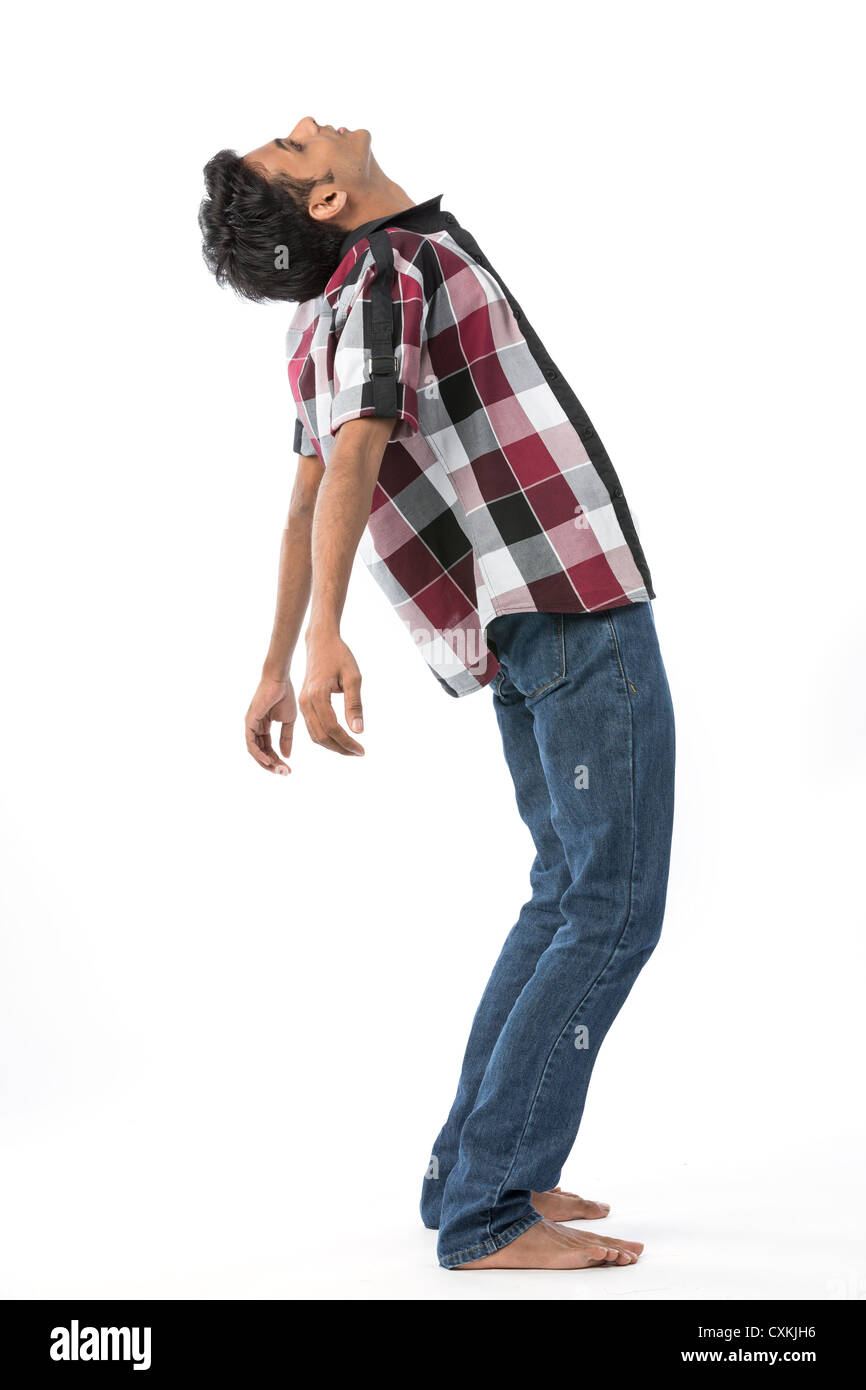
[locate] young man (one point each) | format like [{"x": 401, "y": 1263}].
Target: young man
[{"x": 429, "y": 412}]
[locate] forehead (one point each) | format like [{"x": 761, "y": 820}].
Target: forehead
[{"x": 270, "y": 156}]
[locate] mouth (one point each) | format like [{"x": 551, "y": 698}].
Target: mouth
[{"x": 341, "y": 130}]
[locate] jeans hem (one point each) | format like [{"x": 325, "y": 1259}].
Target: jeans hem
[{"x": 489, "y": 1247}]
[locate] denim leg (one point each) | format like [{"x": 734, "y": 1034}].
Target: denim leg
[
  {"x": 539, "y": 920},
  {"x": 603, "y": 726}
]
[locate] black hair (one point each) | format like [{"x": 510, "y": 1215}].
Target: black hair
[{"x": 258, "y": 234}]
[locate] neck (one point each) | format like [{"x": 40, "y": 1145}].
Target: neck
[{"x": 380, "y": 199}]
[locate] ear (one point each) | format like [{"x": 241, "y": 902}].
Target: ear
[{"x": 326, "y": 207}]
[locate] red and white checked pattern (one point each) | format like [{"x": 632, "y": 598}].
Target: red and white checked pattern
[{"x": 487, "y": 501}]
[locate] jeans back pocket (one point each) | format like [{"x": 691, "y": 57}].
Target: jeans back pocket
[{"x": 531, "y": 650}]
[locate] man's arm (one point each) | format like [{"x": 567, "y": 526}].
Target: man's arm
[
  {"x": 274, "y": 700},
  {"x": 342, "y": 511}
]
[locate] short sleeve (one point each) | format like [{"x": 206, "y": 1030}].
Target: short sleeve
[
  {"x": 377, "y": 361},
  {"x": 303, "y": 442}
]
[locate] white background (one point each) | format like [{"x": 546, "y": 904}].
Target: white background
[{"x": 233, "y": 1006}]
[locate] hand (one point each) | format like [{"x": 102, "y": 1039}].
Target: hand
[
  {"x": 331, "y": 668},
  {"x": 274, "y": 701}
]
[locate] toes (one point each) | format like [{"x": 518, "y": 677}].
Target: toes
[
  {"x": 618, "y": 1257},
  {"x": 635, "y": 1247},
  {"x": 597, "y": 1254}
]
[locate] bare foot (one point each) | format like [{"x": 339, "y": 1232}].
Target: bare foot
[
  {"x": 557, "y": 1205},
  {"x": 547, "y": 1245}
]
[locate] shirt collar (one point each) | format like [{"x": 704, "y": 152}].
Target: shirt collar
[{"x": 423, "y": 217}]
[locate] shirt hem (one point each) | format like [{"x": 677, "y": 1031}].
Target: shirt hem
[{"x": 500, "y": 611}]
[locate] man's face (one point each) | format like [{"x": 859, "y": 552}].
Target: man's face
[{"x": 312, "y": 151}]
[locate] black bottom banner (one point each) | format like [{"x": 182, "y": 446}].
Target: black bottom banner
[{"x": 246, "y": 1340}]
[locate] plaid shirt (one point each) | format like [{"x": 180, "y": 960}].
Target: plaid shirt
[{"x": 495, "y": 494}]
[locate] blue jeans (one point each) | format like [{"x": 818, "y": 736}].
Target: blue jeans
[{"x": 587, "y": 726}]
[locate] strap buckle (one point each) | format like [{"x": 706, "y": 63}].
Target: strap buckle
[{"x": 383, "y": 366}]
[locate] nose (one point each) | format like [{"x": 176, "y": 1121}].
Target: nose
[{"x": 305, "y": 129}]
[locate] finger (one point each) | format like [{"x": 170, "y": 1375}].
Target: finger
[
  {"x": 286, "y": 733},
  {"x": 253, "y": 748},
  {"x": 312, "y": 719},
  {"x": 319, "y": 735},
  {"x": 264, "y": 742},
  {"x": 314, "y": 728},
  {"x": 265, "y": 745},
  {"x": 332, "y": 728},
  {"x": 258, "y": 745},
  {"x": 258, "y": 756},
  {"x": 352, "y": 703}
]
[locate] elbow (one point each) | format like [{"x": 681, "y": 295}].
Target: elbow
[
  {"x": 302, "y": 503},
  {"x": 302, "y": 508}
]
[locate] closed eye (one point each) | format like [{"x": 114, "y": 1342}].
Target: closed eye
[{"x": 290, "y": 145}]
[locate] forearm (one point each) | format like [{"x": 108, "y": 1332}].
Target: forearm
[
  {"x": 295, "y": 571},
  {"x": 293, "y": 594},
  {"x": 342, "y": 511}
]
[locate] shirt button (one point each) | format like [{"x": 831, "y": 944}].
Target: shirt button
[
  {"x": 517, "y": 312},
  {"x": 551, "y": 373},
  {"x": 450, "y": 218}
]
